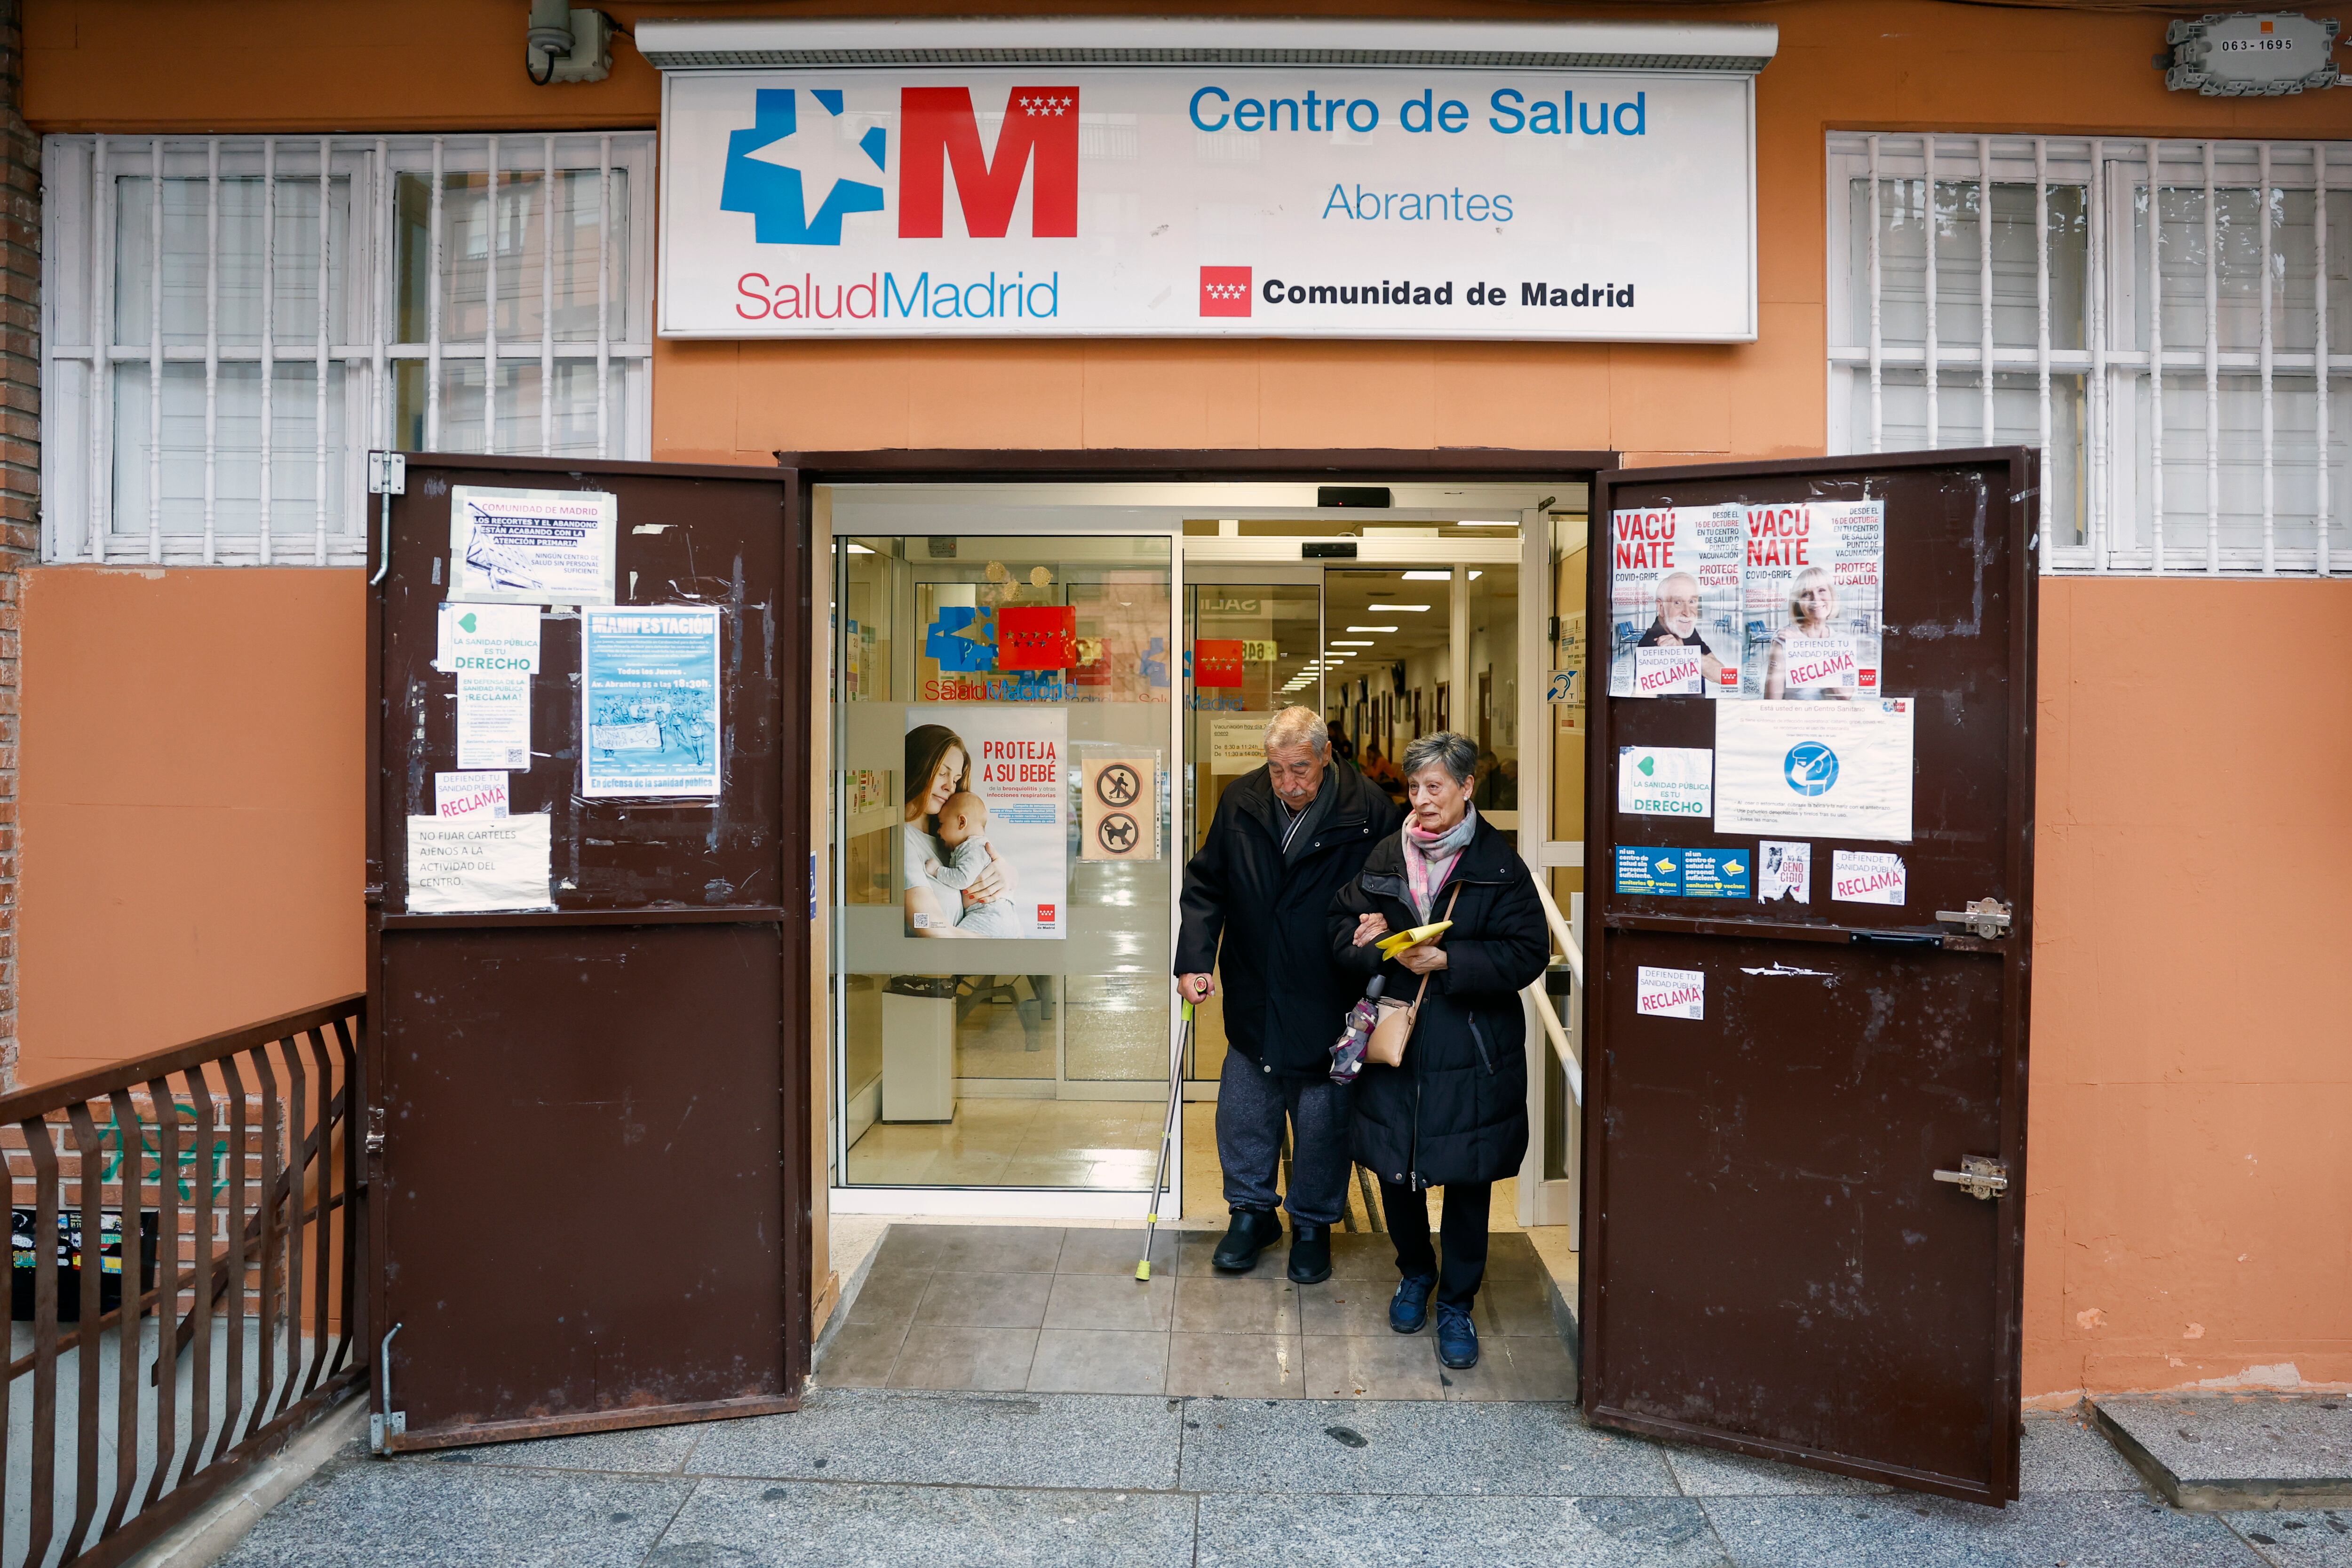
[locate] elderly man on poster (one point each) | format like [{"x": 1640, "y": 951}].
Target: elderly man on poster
[
  {"x": 1676, "y": 624},
  {"x": 1284, "y": 837}
]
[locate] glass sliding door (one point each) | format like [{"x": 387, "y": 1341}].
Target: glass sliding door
[
  {"x": 1002, "y": 739},
  {"x": 1254, "y": 646}
]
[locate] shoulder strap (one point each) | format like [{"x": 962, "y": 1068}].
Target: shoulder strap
[{"x": 1424, "y": 979}]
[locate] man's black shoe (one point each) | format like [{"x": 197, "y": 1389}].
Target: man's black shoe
[
  {"x": 1252, "y": 1232},
  {"x": 1310, "y": 1253}
]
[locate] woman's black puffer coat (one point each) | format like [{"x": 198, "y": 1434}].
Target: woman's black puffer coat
[{"x": 1457, "y": 1109}]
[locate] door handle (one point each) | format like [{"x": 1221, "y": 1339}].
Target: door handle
[
  {"x": 1979, "y": 1177},
  {"x": 1897, "y": 938},
  {"x": 1984, "y": 918}
]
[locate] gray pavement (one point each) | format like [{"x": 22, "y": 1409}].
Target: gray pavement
[{"x": 886, "y": 1477}]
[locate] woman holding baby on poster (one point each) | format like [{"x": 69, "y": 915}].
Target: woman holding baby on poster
[{"x": 953, "y": 882}]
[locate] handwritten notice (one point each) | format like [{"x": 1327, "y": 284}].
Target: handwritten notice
[
  {"x": 1865, "y": 877},
  {"x": 469, "y": 794},
  {"x": 493, "y": 723},
  {"x": 476, "y": 864},
  {"x": 1667, "y": 672},
  {"x": 1670, "y": 993}
]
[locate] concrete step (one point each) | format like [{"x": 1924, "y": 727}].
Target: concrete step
[{"x": 2212, "y": 1453}]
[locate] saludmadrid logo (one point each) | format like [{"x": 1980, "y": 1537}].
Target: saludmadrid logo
[{"x": 767, "y": 177}]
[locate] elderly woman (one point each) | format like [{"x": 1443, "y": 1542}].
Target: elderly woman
[
  {"x": 1813, "y": 604},
  {"x": 1454, "y": 1115}
]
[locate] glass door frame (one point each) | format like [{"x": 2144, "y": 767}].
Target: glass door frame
[
  {"x": 948, "y": 517},
  {"x": 1161, "y": 491}
]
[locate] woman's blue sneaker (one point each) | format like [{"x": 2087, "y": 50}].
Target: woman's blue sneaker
[
  {"x": 1409, "y": 1307},
  {"x": 1457, "y": 1339}
]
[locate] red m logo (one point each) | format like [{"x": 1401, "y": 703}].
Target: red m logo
[{"x": 938, "y": 132}]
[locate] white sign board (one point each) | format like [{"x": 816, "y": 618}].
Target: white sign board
[
  {"x": 1208, "y": 200},
  {"x": 477, "y": 863},
  {"x": 1665, "y": 780},
  {"x": 1827, "y": 770}
]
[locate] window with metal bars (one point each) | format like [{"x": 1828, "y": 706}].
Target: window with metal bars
[
  {"x": 2182, "y": 362},
  {"x": 230, "y": 324}
]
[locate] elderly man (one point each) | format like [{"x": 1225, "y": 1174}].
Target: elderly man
[
  {"x": 1284, "y": 839},
  {"x": 1677, "y": 623}
]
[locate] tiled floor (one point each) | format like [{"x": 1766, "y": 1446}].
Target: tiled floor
[
  {"x": 1041, "y": 1481},
  {"x": 1051, "y": 1310}
]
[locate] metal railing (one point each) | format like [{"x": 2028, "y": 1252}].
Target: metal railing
[
  {"x": 1563, "y": 1038},
  {"x": 185, "y": 1281}
]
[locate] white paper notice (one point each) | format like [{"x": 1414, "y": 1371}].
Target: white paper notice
[
  {"x": 1864, "y": 878},
  {"x": 469, "y": 794},
  {"x": 1824, "y": 769},
  {"x": 1236, "y": 745},
  {"x": 1670, "y": 993},
  {"x": 478, "y": 863},
  {"x": 1667, "y": 672},
  {"x": 1784, "y": 872},
  {"x": 1822, "y": 664},
  {"x": 487, "y": 640},
  {"x": 1665, "y": 780},
  {"x": 531, "y": 547},
  {"x": 494, "y": 722}
]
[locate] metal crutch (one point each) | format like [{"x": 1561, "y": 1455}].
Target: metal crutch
[{"x": 1167, "y": 1142}]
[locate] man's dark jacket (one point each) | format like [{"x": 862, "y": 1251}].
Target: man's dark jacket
[{"x": 1285, "y": 999}]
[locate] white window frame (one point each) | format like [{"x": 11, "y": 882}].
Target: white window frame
[
  {"x": 78, "y": 311},
  {"x": 2123, "y": 531}
]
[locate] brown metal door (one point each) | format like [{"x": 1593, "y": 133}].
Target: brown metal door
[
  {"x": 588, "y": 1198},
  {"x": 1771, "y": 1263}
]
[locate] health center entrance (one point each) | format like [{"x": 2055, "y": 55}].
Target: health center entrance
[{"x": 1040, "y": 687}]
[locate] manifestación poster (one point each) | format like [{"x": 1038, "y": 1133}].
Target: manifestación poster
[{"x": 649, "y": 700}]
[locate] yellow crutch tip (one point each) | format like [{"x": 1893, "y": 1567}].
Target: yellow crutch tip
[{"x": 1143, "y": 1271}]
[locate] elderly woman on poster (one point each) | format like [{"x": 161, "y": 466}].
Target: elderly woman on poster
[
  {"x": 1454, "y": 1114},
  {"x": 939, "y": 771}
]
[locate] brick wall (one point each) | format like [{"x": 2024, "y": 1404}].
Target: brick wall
[{"x": 20, "y": 458}]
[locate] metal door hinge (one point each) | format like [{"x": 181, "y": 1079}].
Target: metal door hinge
[
  {"x": 1986, "y": 918},
  {"x": 375, "y": 1132},
  {"x": 1978, "y": 1177}
]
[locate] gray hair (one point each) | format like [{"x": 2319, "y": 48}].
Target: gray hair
[
  {"x": 1294, "y": 726},
  {"x": 1455, "y": 753}
]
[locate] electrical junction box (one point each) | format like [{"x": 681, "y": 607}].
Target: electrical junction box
[
  {"x": 590, "y": 58},
  {"x": 2251, "y": 54}
]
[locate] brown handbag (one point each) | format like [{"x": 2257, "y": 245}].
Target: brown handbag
[{"x": 1394, "y": 1030}]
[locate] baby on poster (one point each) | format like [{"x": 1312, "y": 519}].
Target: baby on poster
[
  {"x": 1674, "y": 582},
  {"x": 1815, "y": 602}
]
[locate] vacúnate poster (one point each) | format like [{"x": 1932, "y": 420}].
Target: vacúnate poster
[
  {"x": 1815, "y": 599},
  {"x": 985, "y": 850},
  {"x": 1674, "y": 592}
]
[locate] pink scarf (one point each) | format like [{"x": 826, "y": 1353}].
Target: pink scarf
[{"x": 1430, "y": 858}]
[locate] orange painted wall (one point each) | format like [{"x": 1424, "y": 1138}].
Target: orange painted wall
[
  {"x": 193, "y": 764},
  {"x": 2190, "y": 1082}
]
